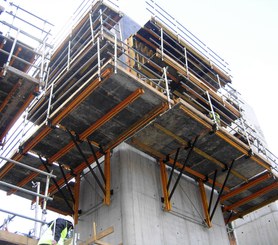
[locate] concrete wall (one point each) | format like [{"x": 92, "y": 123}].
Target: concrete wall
[
  {"x": 259, "y": 227},
  {"x": 136, "y": 210}
]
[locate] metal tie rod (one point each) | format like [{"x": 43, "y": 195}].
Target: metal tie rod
[
  {"x": 25, "y": 190},
  {"x": 22, "y": 216},
  {"x": 28, "y": 167}
]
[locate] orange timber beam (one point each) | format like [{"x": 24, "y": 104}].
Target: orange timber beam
[
  {"x": 252, "y": 196},
  {"x": 159, "y": 155},
  {"x": 130, "y": 131},
  {"x": 246, "y": 186},
  {"x": 83, "y": 95},
  {"x": 252, "y": 209},
  {"x": 86, "y": 133}
]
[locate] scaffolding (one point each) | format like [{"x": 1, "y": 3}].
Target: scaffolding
[{"x": 99, "y": 90}]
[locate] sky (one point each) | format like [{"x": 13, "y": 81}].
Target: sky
[{"x": 243, "y": 32}]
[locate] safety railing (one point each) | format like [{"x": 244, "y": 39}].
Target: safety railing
[
  {"x": 101, "y": 40},
  {"x": 24, "y": 32},
  {"x": 188, "y": 37},
  {"x": 82, "y": 10},
  {"x": 45, "y": 197}
]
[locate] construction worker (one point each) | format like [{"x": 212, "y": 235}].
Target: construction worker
[{"x": 58, "y": 232}]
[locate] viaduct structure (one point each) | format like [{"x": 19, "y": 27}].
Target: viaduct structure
[{"x": 132, "y": 127}]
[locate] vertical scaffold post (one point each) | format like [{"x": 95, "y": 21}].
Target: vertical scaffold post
[
  {"x": 69, "y": 47},
  {"x": 36, "y": 231},
  {"x": 186, "y": 62},
  {"x": 209, "y": 57},
  {"x": 161, "y": 43},
  {"x": 212, "y": 111},
  {"x": 101, "y": 23},
  {"x": 98, "y": 58},
  {"x": 167, "y": 87},
  {"x": 115, "y": 54},
  {"x": 24, "y": 126},
  {"x": 42, "y": 62},
  {"x": 218, "y": 80},
  {"x": 45, "y": 200},
  {"x": 11, "y": 52},
  {"x": 92, "y": 27},
  {"x": 245, "y": 132},
  {"x": 49, "y": 103}
]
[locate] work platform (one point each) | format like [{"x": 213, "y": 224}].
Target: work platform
[
  {"x": 23, "y": 63},
  {"x": 155, "y": 91}
]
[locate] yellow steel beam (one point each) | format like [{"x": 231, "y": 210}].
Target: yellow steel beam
[
  {"x": 245, "y": 187},
  {"x": 204, "y": 202},
  {"x": 163, "y": 173},
  {"x": 107, "y": 172},
  {"x": 76, "y": 197},
  {"x": 159, "y": 155},
  {"x": 252, "y": 196}
]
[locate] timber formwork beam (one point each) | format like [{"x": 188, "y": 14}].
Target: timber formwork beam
[
  {"x": 170, "y": 162},
  {"x": 130, "y": 131},
  {"x": 230, "y": 139},
  {"x": 237, "y": 215},
  {"x": 136, "y": 94},
  {"x": 184, "y": 143},
  {"x": 246, "y": 186},
  {"x": 249, "y": 198},
  {"x": 58, "y": 118}
]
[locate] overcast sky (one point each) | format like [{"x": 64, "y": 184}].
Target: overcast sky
[{"x": 243, "y": 32}]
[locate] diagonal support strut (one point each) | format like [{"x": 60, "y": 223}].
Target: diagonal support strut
[
  {"x": 96, "y": 158},
  {"x": 183, "y": 167},
  {"x": 222, "y": 188},
  {"x": 86, "y": 161},
  {"x": 66, "y": 181},
  {"x": 56, "y": 184}
]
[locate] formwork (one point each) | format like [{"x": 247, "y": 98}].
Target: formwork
[{"x": 161, "y": 90}]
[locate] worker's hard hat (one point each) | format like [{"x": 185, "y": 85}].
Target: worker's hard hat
[{"x": 69, "y": 218}]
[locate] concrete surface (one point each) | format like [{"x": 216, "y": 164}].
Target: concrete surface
[{"x": 136, "y": 210}]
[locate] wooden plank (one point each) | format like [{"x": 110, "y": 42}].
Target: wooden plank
[
  {"x": 96, "y": 237},
  {"x": 16, "y": 239}
]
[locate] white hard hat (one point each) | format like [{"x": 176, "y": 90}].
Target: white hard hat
[{"x": 69, "y": 218}]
